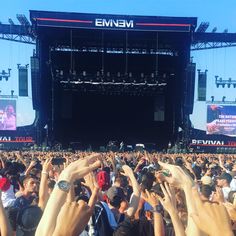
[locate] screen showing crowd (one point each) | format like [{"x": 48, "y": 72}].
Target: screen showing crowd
[
  {"x": 221, "y": 119},
  {"x": 7, "y": 115}
]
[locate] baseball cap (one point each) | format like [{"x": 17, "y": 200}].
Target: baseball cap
[
  {"x": 27, "y": 221},
  {"x": 206, "y": 180},
  {"x": 4, "y": 184},
  {"x": 114, "y": 192}
]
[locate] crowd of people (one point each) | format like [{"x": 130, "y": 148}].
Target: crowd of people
[{"x": 126, "y": 193}]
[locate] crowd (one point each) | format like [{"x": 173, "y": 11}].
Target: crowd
[{"x": 136, "y": 193}]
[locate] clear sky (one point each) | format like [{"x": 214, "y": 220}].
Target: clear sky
[{"x": 220, "y": 14}]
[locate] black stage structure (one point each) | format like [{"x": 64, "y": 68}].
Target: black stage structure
[{"x": 101, "y": 77}]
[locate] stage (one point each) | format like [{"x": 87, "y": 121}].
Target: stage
[{"x": 111, "y": 77}]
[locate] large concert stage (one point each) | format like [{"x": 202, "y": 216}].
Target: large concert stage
[{"x": 111, "y": 77}]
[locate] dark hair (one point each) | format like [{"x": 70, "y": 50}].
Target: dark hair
[
  {"x": 51, "y": 183},
  {"x": 147, "y": 181},
  {"x": 116, "y": 201},
  {"x": 206, "y": 190}
]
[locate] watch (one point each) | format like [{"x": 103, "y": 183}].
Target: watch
[
  {"x": 158, "y": 209},
  {"x": 63, "y": 185}
]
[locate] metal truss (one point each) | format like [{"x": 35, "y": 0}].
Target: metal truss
[
  {"x": 17, "y": 33},
  {"x": 205, "y": 40},
  {"x": 211, "y": 45}
]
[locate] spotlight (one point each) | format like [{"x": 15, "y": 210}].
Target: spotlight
[
  {"x": 212, "y": 98},
  {"x": 12, "y": 93},
  {"x": 223, "y": 99}
]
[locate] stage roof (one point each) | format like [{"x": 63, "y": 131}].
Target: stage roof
[{"x": 112, "y": 22}]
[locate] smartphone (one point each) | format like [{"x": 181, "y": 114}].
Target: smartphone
[{"x": 58, "y": 161}]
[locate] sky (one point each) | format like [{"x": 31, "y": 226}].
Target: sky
[{"x": 220, "y": 14}]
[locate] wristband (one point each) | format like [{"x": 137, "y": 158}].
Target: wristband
[{"x": 44, "y": 172}]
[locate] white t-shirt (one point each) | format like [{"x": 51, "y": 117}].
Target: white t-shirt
[{"x": 8, "y": 197}]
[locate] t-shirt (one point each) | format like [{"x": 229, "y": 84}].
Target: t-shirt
[
  {"x": 8, "y": 197},
  {"x": 22, "y": 202}
]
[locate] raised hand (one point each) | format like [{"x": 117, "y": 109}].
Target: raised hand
[
  {"x": 47, "y": 165},
  {"x": 74, "y": 216},
  {"x": 150, "y": 198},
  {"x": 168, "y": 201},
  {"x": 177, "y": 176},
  {"x": 211, "y": 218}
]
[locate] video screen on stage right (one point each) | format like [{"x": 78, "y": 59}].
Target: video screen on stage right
[{"x": 221, "y": 119}]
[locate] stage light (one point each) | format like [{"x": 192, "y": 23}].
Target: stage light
[
  {"x": 212, "y": 98},
  {"x": 223, "y": 85},
  {"x": 214, "y": 30},
  {"x": 202, "y": 27},
  {"x": 11, "y": 21},
  {"x": 12, "y": 93},
  {"x": 223, "y": 99},
  {"x": 22, "y": 19}
]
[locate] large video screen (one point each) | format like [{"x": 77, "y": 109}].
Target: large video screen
[
  {"x": 221, "y": 119},
  {"x": 14, "y": 54},
  {"x": 7, "y": 114},
  {"x": 217, "y": 62}
]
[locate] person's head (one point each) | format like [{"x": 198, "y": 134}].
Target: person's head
[
  {"x": 206, "y": 191},
  {"x": 9, "y": 109},
  {"x": 224, "y": 180},
  {"x": 206, "y": 180},
  {"x": 30, "y": 184},
  {"x": 115, "y": 196},
  {"x": 27, "y": 220},
  {"x": 121, "y": 181}
]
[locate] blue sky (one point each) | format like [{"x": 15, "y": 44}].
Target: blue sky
[{"x": 221, "y": 14}]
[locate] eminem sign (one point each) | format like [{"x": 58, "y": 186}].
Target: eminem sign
[
  {"x": 119, "y": 23},
  {"x": 17, "y": 139},
  {"x": 218, "y": 143}
]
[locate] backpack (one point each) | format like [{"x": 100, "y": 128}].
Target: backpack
[
  {"x": 100, "y": 222},
  {"x": 103, "y": 180}
]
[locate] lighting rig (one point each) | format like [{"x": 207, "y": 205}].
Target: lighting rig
[
  {"x": 224, "y": 82},
  {"x": 5, "y": 75}
]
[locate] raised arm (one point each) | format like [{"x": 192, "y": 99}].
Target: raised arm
[
  {"x": 75, "y": 170},
  {"x": 43, "y": 187},
  {"x": 133, "y": 206},
  {"x": 5, "y": 228}
]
